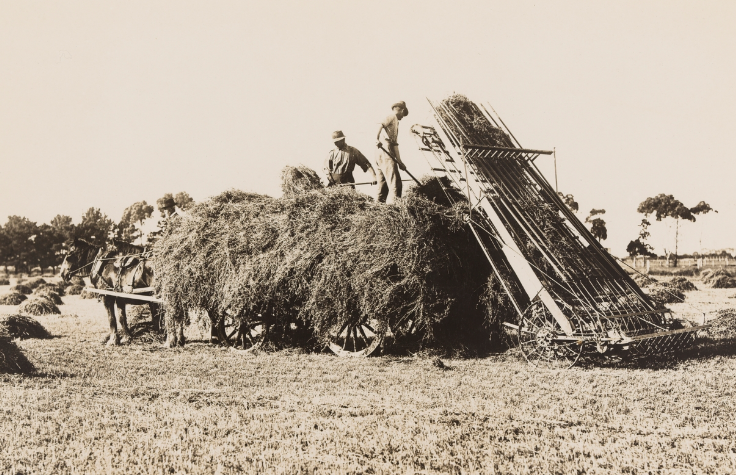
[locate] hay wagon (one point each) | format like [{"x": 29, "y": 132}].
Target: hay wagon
[{"x": 571, "y": 296}]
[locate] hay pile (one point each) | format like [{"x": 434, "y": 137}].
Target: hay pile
[
  {"x": 299, "y": 179},
  {"x": 88, "y": 295},
  {"x": 326, "y": 257},
  {"x": 643, "y": 280},
  {"x": 12, "y": 359},
  {"x": 681, "y": 284},
  {"x": 35, "y": 282},
  {"x": 49, "y": 295},
  {"x": 467, "y": 119},
  {"x": 724, "y": 325},
  {"x": 663, "y": 294},
  {"x": 58, "y": 288},
  {"x": 39, "y": 306},
  {"x": 21, "y": 289},
  {"x": 4, "y": 281},
  {"x": 12, "y": 298},
  {"x": 718, "y": 279},
  {"x": 74, "y": 289},
  {"x": 20, "y": 326}
]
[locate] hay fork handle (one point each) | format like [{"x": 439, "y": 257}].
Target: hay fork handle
[{"x": 380, "y": 145}]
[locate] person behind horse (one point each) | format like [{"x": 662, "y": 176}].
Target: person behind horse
[
  {"x": 341, "y": 162},
  {"x": 389, "y": 179}
]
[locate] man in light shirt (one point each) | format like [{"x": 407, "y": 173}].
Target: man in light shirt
[
  {"x": 389, "y": 179},
  {"x": 341, "y": 162}
]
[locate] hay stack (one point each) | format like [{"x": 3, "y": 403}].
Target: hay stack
[
  {"x": 326, "y": 257},
  {"x": 643, "y": 280},
  {"x": 299, "y": 179},
  {"x": 39, "y": 306},
  {"x": 663, "y": 294},
  {"x": 724, "y": 325},
  {"x": 681, "y": 284},
  {"x": 88, "y": 295},
  {"x": 58, "y": 288},
  {"x": 20, "y": 326},
  {"x": 12, "y": 359},
  {"x": 35, "y": 282},
  {"x": 74, "y": 289},
  {"x": 4, "y": 281},
  {"x": 49, "y": 295},
  {"x": 21, "y": 289},
  {"x": 12, "y": 298}
]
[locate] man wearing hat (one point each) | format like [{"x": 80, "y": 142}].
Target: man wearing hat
[
  {"x": 389, "y": 180},
  {"x": 341, "y": 162}
]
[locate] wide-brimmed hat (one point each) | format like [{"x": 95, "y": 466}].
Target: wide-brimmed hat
[
  {"x": 401, "y": 104},
  {"x": 337, "y": 136}
]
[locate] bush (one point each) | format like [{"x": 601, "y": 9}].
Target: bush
[
  {"x": 21, "y": 289},
  {"x": 49, "y": 295},
  {"x": 20, "y": 326},
  {"x": 39, "y": 306},
  {"x": 35, "y": 282},
  {"x": 74, "y": 289},
  {"x": 12, "y": 298}
]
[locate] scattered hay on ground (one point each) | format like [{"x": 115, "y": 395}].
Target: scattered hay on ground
[
  {"x": 4, "y": 281},
  {"x": 682, "y": 284},
  {"x": 35, "y": 282},
  {"x": 724, "y": 325},
  {"x": 146, "y": 332},
  {"x": 58, "y": 288},
  {"x": 643, "y": 280},
  {"x": 74, "y": 289},
  {"x": 664, "y": 294},
  {"x": 299, "y": 179},
  {"x": 12, "y": 298},
  {"x": 39, "y": 306},
  {"x": 324, "y": 258},
  {"x": 21, "y": 326},
  {"x": 49, "y": 295},
  {"x": 21, "y": 289}
]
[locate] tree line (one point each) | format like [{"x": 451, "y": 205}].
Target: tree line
[{"x": 26, "y": 245}]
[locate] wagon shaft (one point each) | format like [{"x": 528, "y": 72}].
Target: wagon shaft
[{"x": 539, "y": 250}]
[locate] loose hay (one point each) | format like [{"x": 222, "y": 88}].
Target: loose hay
[
  {"x": 681, "y": 284},
  {"x": 663, "y": 294},
  {"x": 724, "y": 325},
  {"x": 74, "y": 289},
  {"x": 35, "y": 282},
  {"x": 49, "y": 295},
  {"x": 4, "y": 281},
  {"x": 20, "y": 326},
  {"x": 643, "y": 280},
  {"x": 39, "y": 306},
  {"x": 718, "y": 279},
  {"x": 299, "y": 179},
  {"x": 325, "y": 258},
  {"x": 58, "y": 288},
  {"x": 12, "y": 359},
  {"x": 12, "y": 298},
  {"x": 21, "y": 289}
]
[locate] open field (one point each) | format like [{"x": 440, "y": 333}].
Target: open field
[{"x": 204, "y": 409}]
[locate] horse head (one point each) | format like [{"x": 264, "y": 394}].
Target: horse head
[{"x": 80, "y": 256}]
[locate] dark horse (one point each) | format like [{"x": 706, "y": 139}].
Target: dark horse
[{"x": 119, "y": 267}]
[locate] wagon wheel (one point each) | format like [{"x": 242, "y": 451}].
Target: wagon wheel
[
  {"x": 242, "y": 335},
  {"x": 356, "y": 339},
  {"x": 542, "y": 341}
]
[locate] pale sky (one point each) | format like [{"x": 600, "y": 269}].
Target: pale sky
[{"x": 107, "y": 103}]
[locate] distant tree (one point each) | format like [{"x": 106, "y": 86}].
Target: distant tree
[
  {"x": 20, "y": 234},
  {"x": 63, "y": 232},
  {"x": 639, "y": 246},
  {"x": 132, "y": 221},
  {"x": 183, "y": 200},
  {"x": 95, "y": 227},
  {"x": 597, "y": 225},
  {"x": 569, "y": 201},
  {"x": 48, "y": 242},
  {"x": 666, "y": 206}
]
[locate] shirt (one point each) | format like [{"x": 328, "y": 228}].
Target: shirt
[
  {"x": 344, "y": 161},
  {"x": 391, "y": 125}
]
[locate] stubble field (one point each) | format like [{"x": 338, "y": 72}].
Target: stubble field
[{"x": 204, "y": 409}]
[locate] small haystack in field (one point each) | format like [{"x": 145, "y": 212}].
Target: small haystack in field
[
  {"x": 35, "y": 282},
  {"x": 324, "y": 258},
  {"x": 12, "y": 359},
  {"x": 718, "y": 279},
  {"x": 299, "y": 179},
  {"x": 58, "y": 288},
  {"x": 681, "y": 284},
  {"x": 39, "y": 306},
  {"x": 74, "y": 289},
  {"x": 4, "y": 281},
  {"x": 643, "y": 280},
  {"x": 88, "y": 295},
  {"x": 21, "y": 326},
  {"x": 664, "y": 294},
  {"x": 49, "y": 295},
  {"x": 12, "y": 298},
  {"x": 21, "y": 289}
]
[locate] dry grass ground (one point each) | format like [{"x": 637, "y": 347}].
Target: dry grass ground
[{"x": 203, "y": 409}]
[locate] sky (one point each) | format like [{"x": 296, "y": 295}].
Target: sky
[{"x": 104, "y": 104}]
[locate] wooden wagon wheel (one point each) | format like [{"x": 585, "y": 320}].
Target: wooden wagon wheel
[
  {"x": 356, "y": 339},
  {"x": 242, "y": 335},
  {"x": 542, "y": 341}
]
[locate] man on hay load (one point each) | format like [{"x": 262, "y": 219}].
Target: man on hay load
[
  {"x": 341, "y": 162},
  {"x": 389, "y": 160}
]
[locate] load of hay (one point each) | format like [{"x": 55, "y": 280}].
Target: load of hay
[
  {"x": 35, "y": 282},
  {"x": 39, "y": 306},
  {"x": 74, "y": 289},
  {"x": 20, "y": 326},
  {"x": 49, "y": 295},
  {"x": 681, "y": 284},
  {"x": 12, "y": 298},
  {"x": 326, "y": 257},
  {"x": 21, "y": 289}
]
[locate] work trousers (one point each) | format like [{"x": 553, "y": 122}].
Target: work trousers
[{"x": 389, "y": 179}]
